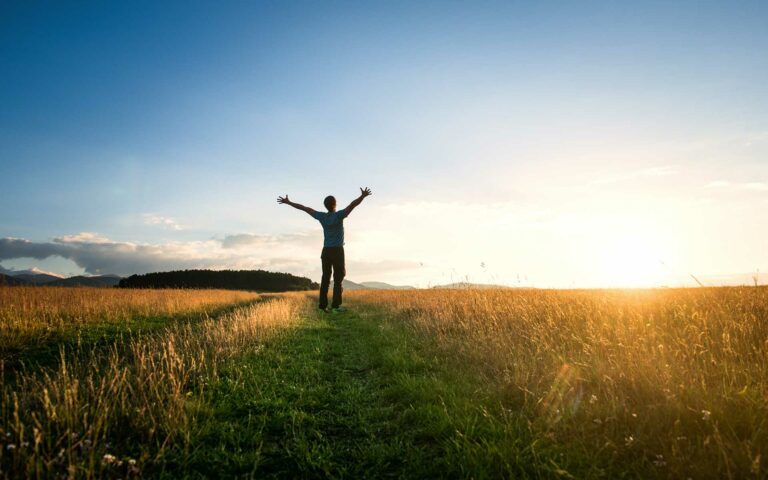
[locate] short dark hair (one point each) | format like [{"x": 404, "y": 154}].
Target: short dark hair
[{"x": 329, "y": 202}]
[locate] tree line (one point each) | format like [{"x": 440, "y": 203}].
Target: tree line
[{"x": 256, "y": 280}]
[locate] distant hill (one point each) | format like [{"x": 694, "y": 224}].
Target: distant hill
[
  {"x": 42, "y": 278},
  {"x": 255, "y": 280},
  {"x": 11, "y": 281},
  {"x": 349, "y": 285},
  {"x": 37, "y": 278},
  {"x": 385, "y": 286},
  {"x": 475, "y": 286},
  {"x": 33, "y": 275},
  {"x": 101, "y": 281}
]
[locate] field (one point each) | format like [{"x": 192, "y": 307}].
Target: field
[
  {"x": 31, "y": 317},
  {"x": 416, "y": 384}
]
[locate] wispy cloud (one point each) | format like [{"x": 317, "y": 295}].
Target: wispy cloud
[
  {"x": 756, "y": 186},
  {"x": 657, "y": 171},
  {"x": 382, "y": 269},
  {"x": 82, "y": 237},
  {"x": 718, "y": 184},
  {"x": 754, "y": 138},
  {"x": 162, "y": 221},
  {"x": 743, "y": 186},
  {"x": 249, "y": 240}
]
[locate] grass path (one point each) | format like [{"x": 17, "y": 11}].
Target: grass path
[{"x": 347, "y": 396}]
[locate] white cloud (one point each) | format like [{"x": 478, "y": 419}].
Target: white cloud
[
  {"x": 249, "y": 240},
  {"x": 748, "y": 186},
  {"x": 160, "y": 220},
  {"x": 82, "y": 237},
  {"x": 98, "y": 255},
  {"x": 755, "y": 138},
  {"x": 297, "y": 253},
  {"x": 658, "y": 171},
  {"x": 366, "y": 270},
  {"x": 756, "y": 186}
]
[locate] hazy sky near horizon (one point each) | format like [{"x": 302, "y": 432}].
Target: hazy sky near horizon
[{"x": 552, "y": 144}]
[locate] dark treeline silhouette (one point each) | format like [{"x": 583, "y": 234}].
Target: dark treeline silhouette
[
  {"x": 11, "y": 281},
  {"x": 258, "y": 280}
]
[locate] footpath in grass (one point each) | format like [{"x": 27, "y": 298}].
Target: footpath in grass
[{"x": 348, "y": 396}]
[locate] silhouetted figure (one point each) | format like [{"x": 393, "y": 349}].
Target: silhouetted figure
[{"x": 332, "y": 256}]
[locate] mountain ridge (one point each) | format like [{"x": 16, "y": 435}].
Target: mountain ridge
[{"x": 372, "y": 285}]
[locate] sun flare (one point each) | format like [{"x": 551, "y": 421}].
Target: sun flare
[{"x": 631, "y": 262}]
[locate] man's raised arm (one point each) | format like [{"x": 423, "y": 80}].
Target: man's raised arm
[
  {"x": 364, "y": 192},
  {"x": 284, "y": 200}
]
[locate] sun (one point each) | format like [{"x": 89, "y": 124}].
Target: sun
[{"x": 631, "y": 262}]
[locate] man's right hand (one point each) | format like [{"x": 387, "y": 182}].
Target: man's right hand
[
  {"x": 364, "y": 192},
  {"x": 284, "y": 199}
]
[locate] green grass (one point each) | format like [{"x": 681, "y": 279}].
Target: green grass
[
  {"x": 356, "y": 395},
  {"x": 350, "y": 396}
]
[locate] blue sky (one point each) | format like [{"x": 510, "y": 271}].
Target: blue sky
[{"x": 540, "y": 139}]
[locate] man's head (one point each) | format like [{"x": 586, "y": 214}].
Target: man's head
[{"x": 330, "y": 203}]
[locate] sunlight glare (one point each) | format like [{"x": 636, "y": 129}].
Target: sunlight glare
[{"x": 631, "y": 262}]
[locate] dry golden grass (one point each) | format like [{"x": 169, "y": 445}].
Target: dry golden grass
[
  {"x": 78, "y": 418},
  {"x": 31, "y": 315},
  {"x": 661, "y": 383},
  {"x": 667, "y": 381}
]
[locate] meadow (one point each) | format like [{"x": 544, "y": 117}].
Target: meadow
[
  {"x": 131, "y": 395},
  {"x": 665, "y": 383},
  {"x": 670, "y": 382},
  {"x": 32, "y": 317}
]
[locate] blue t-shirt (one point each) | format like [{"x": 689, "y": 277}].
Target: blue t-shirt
[{"x": 333, "y": 227}]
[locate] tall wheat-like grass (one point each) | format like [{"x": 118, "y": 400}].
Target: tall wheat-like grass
[
  {"x": 675, "y": 381},
  {"x": 109, "y": 412},
  {"x": 30, "y": 315}
]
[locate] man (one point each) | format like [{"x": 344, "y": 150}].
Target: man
[{"x": 332, "y": 257}]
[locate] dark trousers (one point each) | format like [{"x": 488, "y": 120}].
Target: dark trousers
[{"x": 332, "y": 259}]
